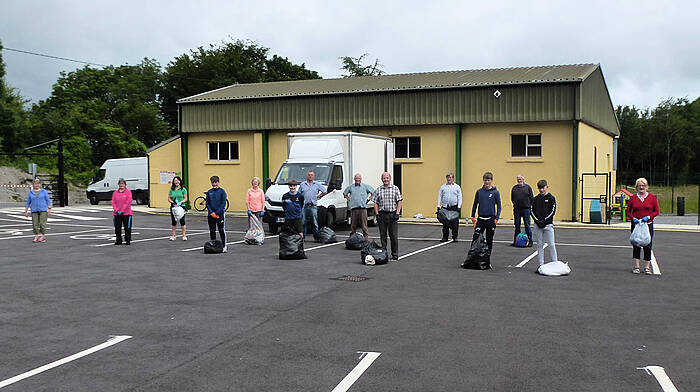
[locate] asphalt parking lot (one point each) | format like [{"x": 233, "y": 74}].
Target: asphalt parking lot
[{"x": 247, "y": 321}]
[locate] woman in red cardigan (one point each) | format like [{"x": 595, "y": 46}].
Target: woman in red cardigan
[{"x": 642, "y": 207}]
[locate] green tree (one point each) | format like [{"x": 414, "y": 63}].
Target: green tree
[
  {"x": 353, "y": 66},
  {"x": 12, "y": 114},
  {"x": 217, "y": 66}
]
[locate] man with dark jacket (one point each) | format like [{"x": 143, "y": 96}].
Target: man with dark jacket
[
  {"x": 544, "y": 206},
  {"x": 521, "y": 197},
  {"x": 488, "y": 201},
  {"x": 216, "y": 208}
]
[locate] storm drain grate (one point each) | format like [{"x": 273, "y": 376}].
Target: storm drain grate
[{"x": 351, "y": 278}]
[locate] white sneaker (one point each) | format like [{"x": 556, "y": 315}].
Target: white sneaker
[
  {"x": 172, "y": 238},
  {"x": 225, "y": 250},
  {"x": 184, "y": 238}
]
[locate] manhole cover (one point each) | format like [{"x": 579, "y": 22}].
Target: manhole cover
[{"x": 351, "y": 278}]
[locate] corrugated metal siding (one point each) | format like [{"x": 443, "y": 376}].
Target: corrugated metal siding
[
  {"x": 547, "y": 102},
  {"x": 596, "y": 107}
]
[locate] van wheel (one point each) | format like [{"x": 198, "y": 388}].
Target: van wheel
[
  {"x": 94, "y": 200},
  {"x": 141, "y": 198},
  {"x": 273, "y": 228}
]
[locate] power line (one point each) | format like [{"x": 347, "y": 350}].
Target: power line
[{"x": 53, "y": 57}]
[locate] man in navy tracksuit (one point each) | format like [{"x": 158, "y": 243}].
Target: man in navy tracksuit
[
  {"x": 216, "y": 206},
  {"x": 488, "y": 201}
]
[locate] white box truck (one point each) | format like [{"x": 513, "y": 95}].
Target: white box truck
[
  {"x": 133, "y": 170},
  {"x": 334, "y": 157}
]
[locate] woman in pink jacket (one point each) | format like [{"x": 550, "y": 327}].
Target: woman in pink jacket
[
  {"x": 255, "y": 199},
  {"x": 121, "y": 203}
]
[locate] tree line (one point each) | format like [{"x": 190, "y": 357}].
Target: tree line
[{"x": 119, "y": 111}]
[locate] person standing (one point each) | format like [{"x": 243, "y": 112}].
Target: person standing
[
  {"x": 488, "y": 201},
  {"x": 357, "y": 196},
  {"x": 177, "y": 196},
  {"x": 39, "y": 202},
  {"x": 311, "y": 191},
  {"x": 121, "y": 204},
  {"x": 521, "y": 196},
  {"x": 387, "y": 207},
  {"x": 450, "y": 198},
  {"x": 255, "y": 200},
  {"x": 642, "y": 207},
  {"x": 216, "y": 207},
  {"x": 293, "y": 206},
  {"x": 544, "y": 206}
]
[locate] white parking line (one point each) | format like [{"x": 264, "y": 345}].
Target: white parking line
[
  {"x": 424, "y": 249},
  {"x": 52, "y": 234},
  {"x": 654, "y": 265},
  {"x": 367, "y": 359},
  {"x": 227, "y": 244},
  {"x": 111, "y": 342},
  {"x": 154, "y": 238},
  {"x": 528, "y": 258},
  {"x": 323, "y": 246},
  {"x": 660, "y": 374}
]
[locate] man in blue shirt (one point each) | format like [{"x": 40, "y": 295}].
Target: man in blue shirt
[
  {"x": 216, "y": 207},
  {"x": 488, "y": 201},
  {"x": 311, "y": 191},
  {"x": 357, "y": 195}
]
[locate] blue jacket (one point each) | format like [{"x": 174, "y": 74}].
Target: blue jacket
[
  {"x": 216, "y": 201},
  {"x": 39, "y": 203},
  {"x": 489, "y": 201},
  {"x": 293, "y": 205}
]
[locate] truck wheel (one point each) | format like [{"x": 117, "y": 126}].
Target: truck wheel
[
  {"x": 94, "y": 200},
  {"x": 141, "y": 198},
  {"x": 273, "y": 228},
  {"x": 372, "y": 221}
]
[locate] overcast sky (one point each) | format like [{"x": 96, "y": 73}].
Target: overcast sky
[{"x": 648, "y": 50}]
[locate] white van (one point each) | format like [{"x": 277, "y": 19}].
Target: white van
[
  {"x": 133, "y": 170},
  {"x": 334, "y": 157}
]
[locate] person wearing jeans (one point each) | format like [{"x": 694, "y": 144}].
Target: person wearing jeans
[
  {"x": 216, "y": 207},
  {"x": 387, "y": 207},
  {"x": 544, "y": 206},
  {"x": 311, "y": 191},
  {"x": 40, "y": 203},
  {"x": 521, "y": 197}
]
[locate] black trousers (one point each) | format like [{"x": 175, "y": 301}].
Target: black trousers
[
  {"x": 119, "y": 221},
  {"x": 389, "y": 224},
  {"x": 454, "y": 226},
  {"x": 215, "y": 224},
  {"x": 637, "y": 251},
  {"x": 487, "y": 226}
]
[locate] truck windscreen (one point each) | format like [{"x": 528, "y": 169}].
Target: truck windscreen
[{"x": 298, "y": 171}]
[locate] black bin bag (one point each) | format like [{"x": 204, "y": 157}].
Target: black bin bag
[
  {"x": 355, "y": 242},
  {"x": 479, "y": 256},
  {"x": 213, "y": 246},
  {"x": 291, "y": 245},
  {"x": 379, "y": 254},
  {"x": 326, "y": 235},
  {"x": 447, "y": 217}
]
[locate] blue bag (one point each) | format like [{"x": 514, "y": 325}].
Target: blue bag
[{"x": 521, "y": 240}]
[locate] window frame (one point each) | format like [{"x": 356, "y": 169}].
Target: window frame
[
  {"x": 218, "y": 151},
  {"x": 528, "y": 144},
  {"x": 408, "y": 147}
]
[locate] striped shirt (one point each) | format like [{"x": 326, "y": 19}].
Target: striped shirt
[{"x": 387, "y": 198}]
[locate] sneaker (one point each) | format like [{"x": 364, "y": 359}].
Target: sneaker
[
  {"x": 395, "y": 257},
  {"x": 444, "y": 239},
  {"x": 172, "y": 238},
  {"x": 117, "y": 243},
  {"x": 454, "y": 239},
  {"x": 184, "y": 238},
  {"x": 635, "y": 270},
  {"x": 36, "y": 239},
  {"x": 224, "y": 250},
  {"x": 42, "y": 239},
  {"x": 128, "y": 242}
]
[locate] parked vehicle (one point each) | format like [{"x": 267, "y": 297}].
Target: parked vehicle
[
  {"x": 133, "y": 170},
  {"x": 334, "y": 157}
]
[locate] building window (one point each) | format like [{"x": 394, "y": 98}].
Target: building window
[
  {"x": 223, "y": 151},
  {"x": 407, "y": 147},
  {"x": 526, "y": 145}
]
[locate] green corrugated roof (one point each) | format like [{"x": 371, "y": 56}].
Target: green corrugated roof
[{"x": 401, "y": 82}]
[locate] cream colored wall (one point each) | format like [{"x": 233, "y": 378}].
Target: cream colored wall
[
  {"x": 486, "y": 147},
  {"x": 590, "y": 139},
  {"x": 164, "y": 158},
  {"x": 422, "y": 178},
  {"x": 235, "y": 176}
]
